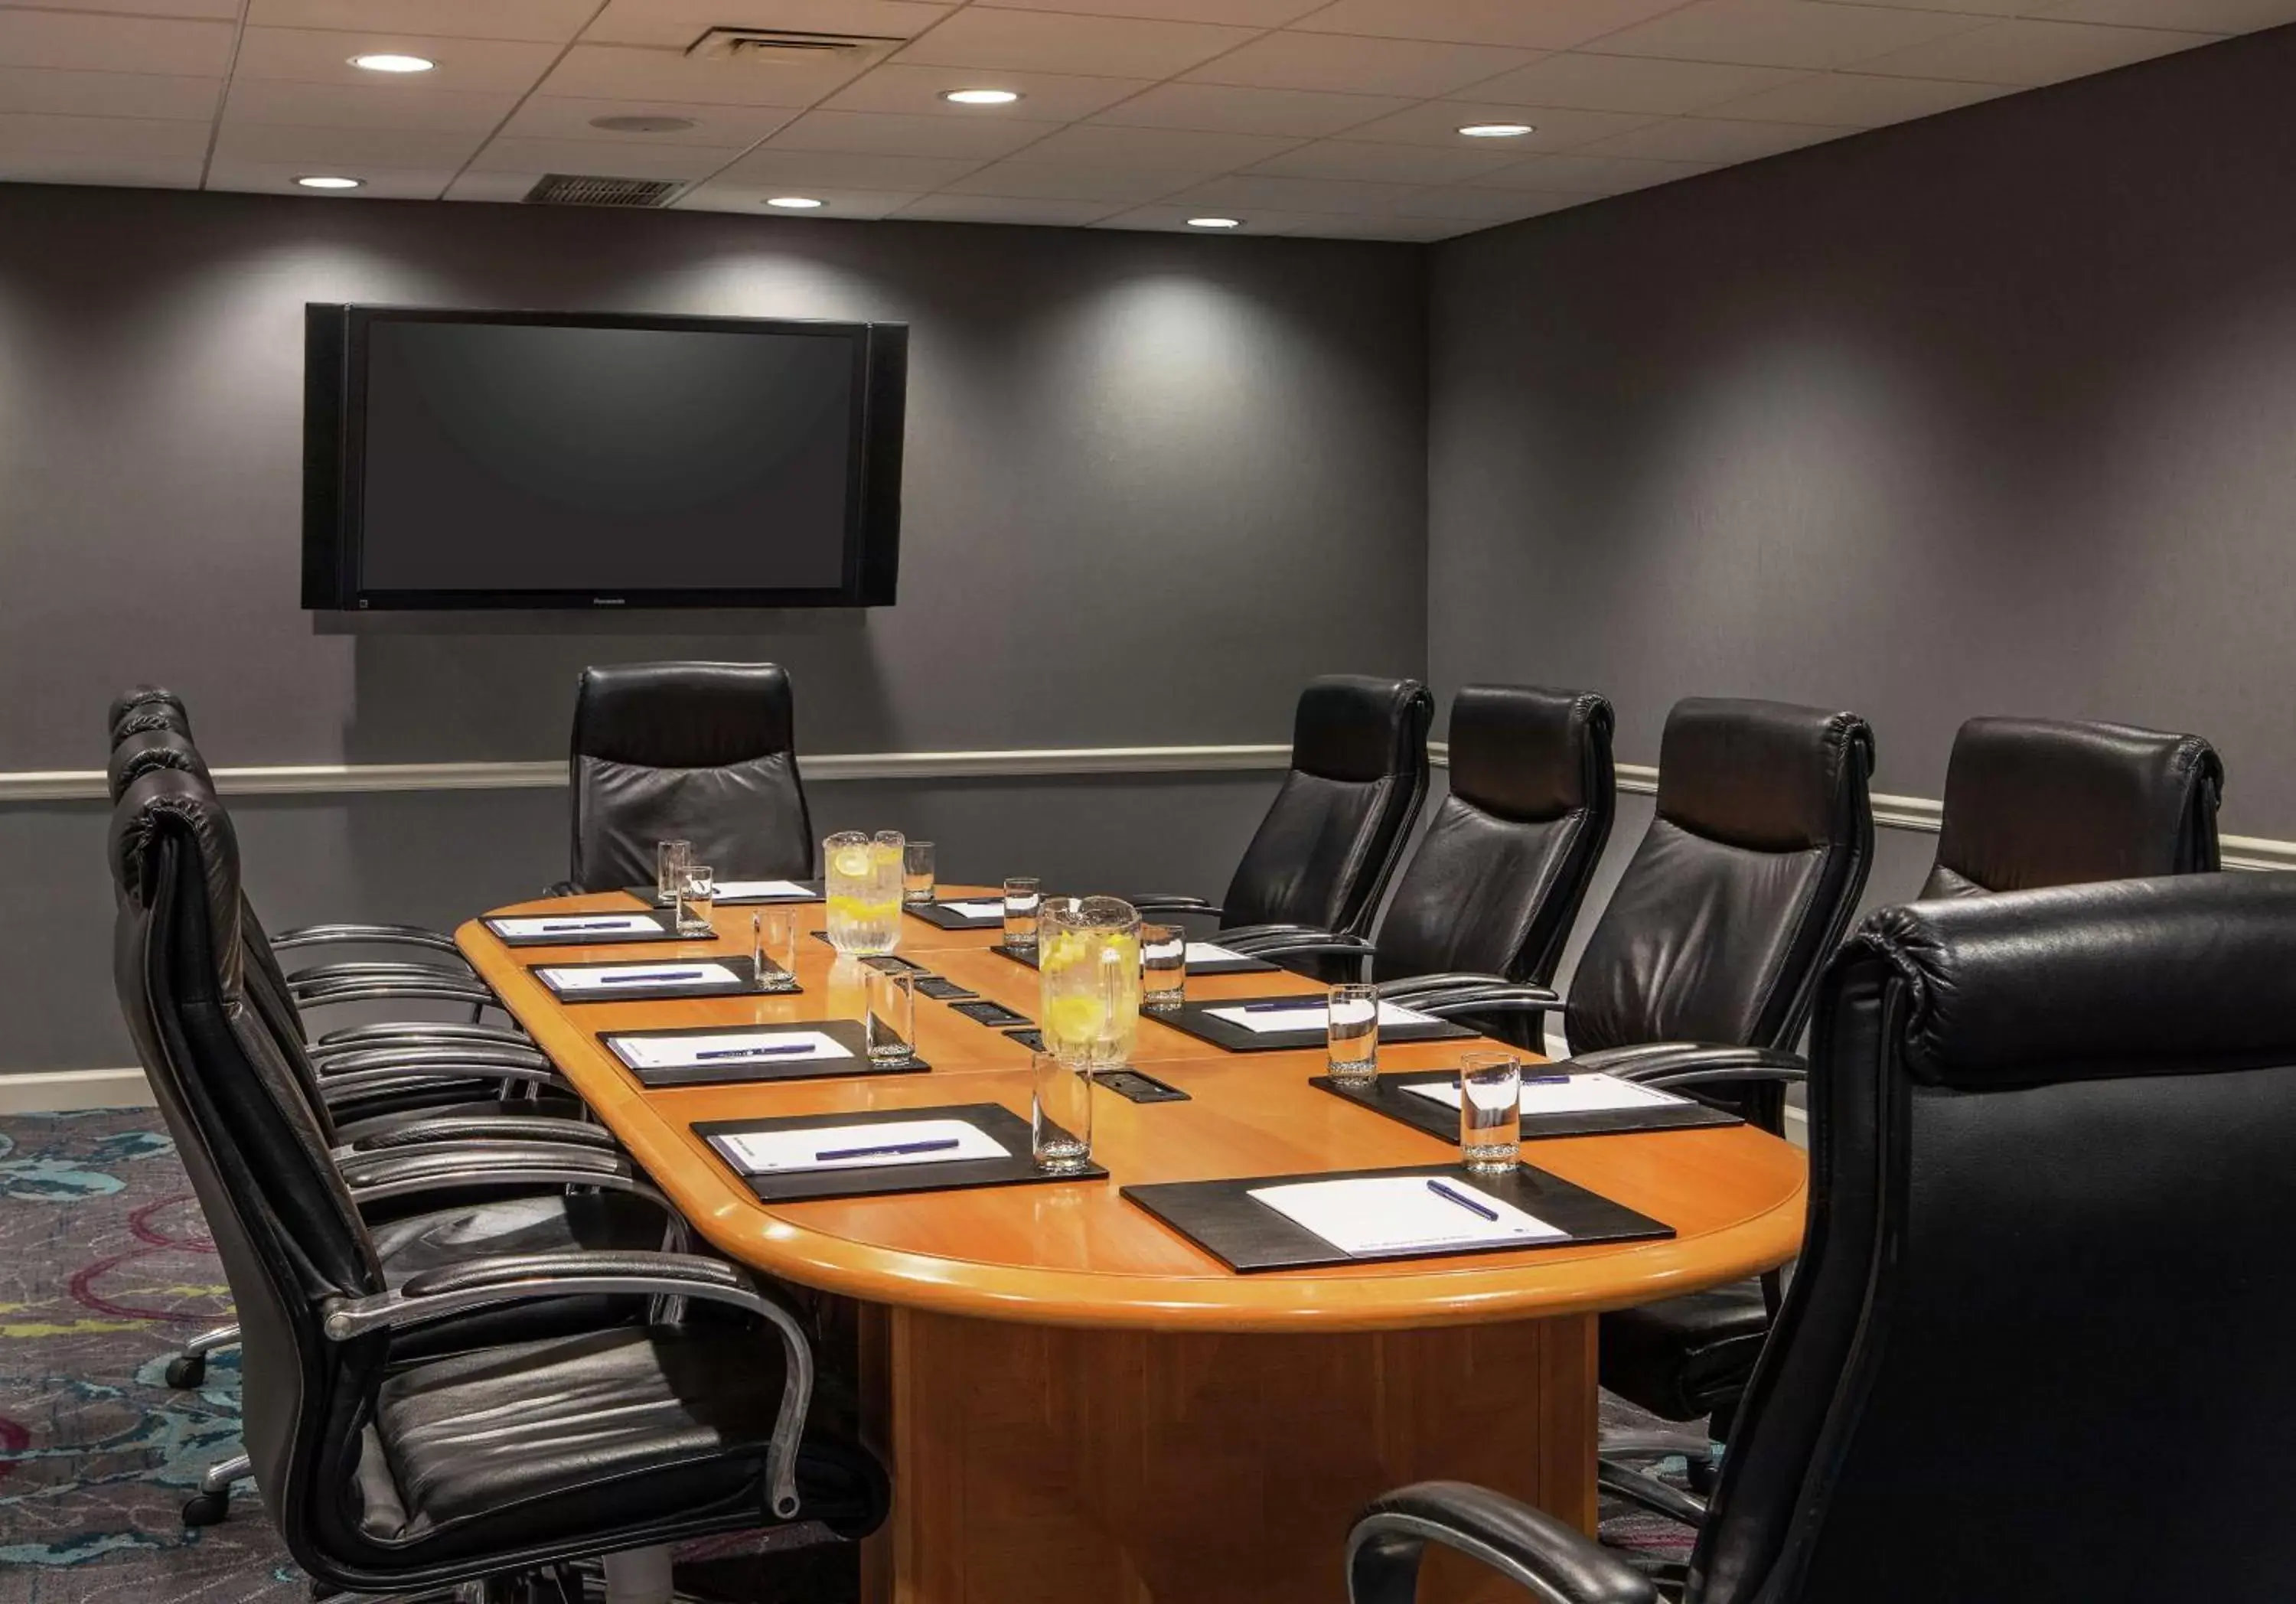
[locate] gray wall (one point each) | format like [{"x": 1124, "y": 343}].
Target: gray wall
[
  {"x": 1994, "y": 412},
  {"x": 1154, "y": 482}
]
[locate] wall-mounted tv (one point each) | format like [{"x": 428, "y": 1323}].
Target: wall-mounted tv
[{"x": 462, "y": 459}]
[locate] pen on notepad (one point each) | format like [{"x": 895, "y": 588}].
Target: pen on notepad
[
  {"x": 1546, "y": 1080},
  {"x": 733, "y": 1052},
  {"x": 649, "y": 976},
  {"x": 895, "y": 1149},
  {"x": 1462, "y": 1201},
  {"x": 599, "y": 924},
  {"x": 1298, "y": 1007}
]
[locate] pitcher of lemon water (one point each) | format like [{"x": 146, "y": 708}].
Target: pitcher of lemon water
[
  {"x": 1088, "y": 969},
  {"x": 863, "y": 880}
]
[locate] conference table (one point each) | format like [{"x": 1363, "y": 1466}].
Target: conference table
[{"x": 1077, "y": 1402}]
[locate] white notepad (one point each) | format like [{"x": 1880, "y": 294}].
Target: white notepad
[
  {"x": 1573, "y": 1094},
  {"x": 736, "y": 1048},
  {"x": 781, "y": 1152},
  {"x": 576, "y": 927},
  {"x": 976, "y": 910},
  {"x": 634, "y": 977},
  {"x": 1312, "y": 1014},
  {"x": 741, "y": 890},
  {"x": 1207, "y": 952},
  {"x": 1389, "y": 1214}
]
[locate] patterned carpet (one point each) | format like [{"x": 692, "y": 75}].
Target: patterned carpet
[{"x": 105, "y": 1267}]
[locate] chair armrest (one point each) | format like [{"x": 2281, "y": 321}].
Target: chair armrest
[
  {"x": 1409, "y": 986},
  {"x": 562, "y": 888},
  {"x": 457, "y": 1289},
  {"x": 355, "y": 970},
  {"x": 1164, "y": 902},
  {"x": 475, "y": 1164},
  {"x": 1473, "y": 1001},
  {"x": 1547, "y": 1556},
  {"x": 443, "y": 989},
  {"x": 455, "y": 1060},
  {"x": 484, "y": 1129},
  {"x": 353, "y": 1085},
  {"x": 418, "y": 1032},
  {"x": 1260, "y": 932},
  {"x": 364, "y": 935},
  {"x": 1692, "y": 1063}
]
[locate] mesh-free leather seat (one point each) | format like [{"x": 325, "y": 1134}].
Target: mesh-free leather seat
[
  {"x": 700, "y": 752},
  {"x": 2036, "y": 1348},
  {"x": 2031, "y": 803}
]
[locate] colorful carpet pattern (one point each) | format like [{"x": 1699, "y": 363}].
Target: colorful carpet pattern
[{"x": 105, "y": 1267}]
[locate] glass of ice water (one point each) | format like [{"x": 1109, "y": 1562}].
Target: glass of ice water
[
  {"x": 697, "y": 896},
  {"x": 890, "y": 1023},
  {"x": 1163, "y": 965},
  {"x": 1060, "y": 1114},
  {"x": 1024, "y": 897},
  {"x": 1490, "y": 1111},
  {"x": 670, "y": 861},
  {"x": 917, "y": 872},
  {"x": 1351, "y": 1030}
]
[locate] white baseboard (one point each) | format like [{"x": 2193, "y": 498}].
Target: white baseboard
[{"x": 60, "y": 1091}]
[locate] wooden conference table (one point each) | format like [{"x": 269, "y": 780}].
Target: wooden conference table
[{"x": 1079, "y": 1404}]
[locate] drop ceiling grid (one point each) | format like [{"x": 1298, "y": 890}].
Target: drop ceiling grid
[{"x": 1334, "y": 118}]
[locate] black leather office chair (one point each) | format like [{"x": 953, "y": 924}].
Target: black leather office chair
[
  {"x": 142, "y": 708},
  {"x": 2034, "y": 802},
  {"x": 1324, "y": 854},
  {"x": 700, "y": 752},
  {"x": 2045, "y": 1297},
  {"x": 1502, "y": 868},
  {"x": 365, "y": 1449}
]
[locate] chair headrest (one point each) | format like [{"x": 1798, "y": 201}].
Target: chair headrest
[
  {"x": 138, "y": 698},
  {"x": 141, "y": 754},
  {"x": 1765, "y": 775},
  {"x": 1358, "y": 727},
  {"x": 171, "y": 802},
  {"x": 1520, "y": 751},
  {"x": 683, "y": 714},
  {"x": 2172, "y": 974}
]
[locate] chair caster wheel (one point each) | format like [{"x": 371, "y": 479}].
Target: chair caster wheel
[
  {"x": 207, "y": 1508},
  {"x": 187, "y": 1370}
]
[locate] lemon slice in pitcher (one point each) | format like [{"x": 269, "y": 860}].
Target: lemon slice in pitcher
[
  {"x": 851, "y": 861},
  {"x": 1074, "y": 1019}
]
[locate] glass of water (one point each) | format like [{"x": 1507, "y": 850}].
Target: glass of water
[
  {"x": 697, "y": 895},
  {"x": 1023, "y": 898},
  {"x": 917, "y": 872},
  {"x": 1060, "y": 1114},
  {"x": 1490, "y": 1111},
  {"x": 670, "y": 861},
  {"x": 1163, "y": 965},
  {"x": 773, "y": 930},
  {"x": 1351, "y": 1028},
  {"x": 889, "y": 1026}
]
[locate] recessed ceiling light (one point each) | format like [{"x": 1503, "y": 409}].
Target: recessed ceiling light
[
  {"x": 389, "y": 60},
  {"x": 644, "y": 123},
  {"x": 796, "y": 202},
  {"x": 1215, "y": 222},
  {"x": 325, "y": 181},
  {"x": 1497, "y": 130},
  {"x": 982, "y": 97}
]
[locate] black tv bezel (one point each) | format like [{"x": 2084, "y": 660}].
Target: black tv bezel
[{"x": 334, "y": 465}]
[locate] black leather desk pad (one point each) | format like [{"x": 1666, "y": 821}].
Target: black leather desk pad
[
  {"x": 735, "y": 1072},
  {"x": 1247, "y": 1236},
  {"x": 662, "y": 930},
  {"x": 948, "y": 919},
  {"x": 1388, "y": 1095},
  {"x": 1197, "y": 1020},
  {"x": 1237, "y": 965},
  {"x": 1018, "y": 1168},
  {"x": 812, "y": 893},
  {"x": 675, "y": 990}
]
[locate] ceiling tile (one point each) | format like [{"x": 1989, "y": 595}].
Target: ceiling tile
[
  {"x": 784, "y": 170},
  {"x": 946, "y": 208},
  {"x": 1579, "y": 173},
  {"x": 2024, "y": 55},
  {"x": 1533, "y": 24},
  {"x": 1246, "y": 13},
  {"x": 1392, "y": 226},
  {"x": 1174, "y": 220},
  {"x": 1784, "y": 33},
  {"x": 607, "y": 158},
  {"x": 219, "y": 11},
  {"x": 885, "y": 134},
  {"x": 2202, "y": 16},
  {"x": 678, "y": 23},
  {"x": 849, "y": 204},
  {"x": 1051, "y": 181},
  {"x": 1857, "y": 99},
  {"x": 313, "y": 55},
  {"x": 632, "y": 72},
  {"x": 1176, "y": 149},
  {"x": 1246, "y": 191},
  {"x": 1358, "y": 66},
  {"x": 377, "y": 184},
  {"x": 1605, "y": 83},
  {"x": 1301, "y": 113},
  {"x": 109, "y": 94},
  {"x": 1713, "y": 139},
  {"x": 491, "y": 186},
  {"x": 551, "y": 21},
  {"x": 1974, "y": 8},
  {"x": 79, "y": 166},
  {"x": 1470, "y": 205},
  {"x": 1048, "y": 41},
  {"x": 1553, "y": 128},
  {"x": 37, "y": 133},
  {"x": 106, "y": 43},
  {"x": 367, "y": 106},
  {"x": 1384, "y": 163},
  {"x": 323, "y": 149},
  {"x": 1044, "y": 96},
  {"x": 556, "y": 117}
]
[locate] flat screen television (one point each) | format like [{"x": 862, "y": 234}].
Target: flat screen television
[{"x": 463, "y": 459}]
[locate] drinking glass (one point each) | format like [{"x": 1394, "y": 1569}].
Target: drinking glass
[
  {"x": 773, "y": 955},
  {"x": 1490, "y": 1111},
  {"x": 697, "y": 895},
  {"x": 670, "y": 861},
  {"x": 1351, "y": 1031},
  {"x": 891, "y": 1024},
  {"x": 1024, "y": 896},
  {"x": 1060, "y": 1114},
  {"x": 1089, "y": 980},
  {"x": 864, "y": 893},
  {"x": 1163, "y": 966},
  {"x": 917, "y": 872}
]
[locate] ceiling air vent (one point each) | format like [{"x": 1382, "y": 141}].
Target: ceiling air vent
[
  {"x": 574, "y": 189},
  {"x": 778, "y": 47}
]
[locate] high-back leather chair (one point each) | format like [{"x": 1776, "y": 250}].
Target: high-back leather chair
[
  {"x": 360, "y": 1452},
  {"x": 143, "y": 708},
  {"x": 2037, "y": 802},
  {"x": 700, "y": 752},
  {"x": 2050, "y": 1133}
]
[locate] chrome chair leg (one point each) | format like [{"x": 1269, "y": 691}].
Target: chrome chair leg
[
  {"x": 189, "y": 1367},
  {"x": 211, "y": 1504}
]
